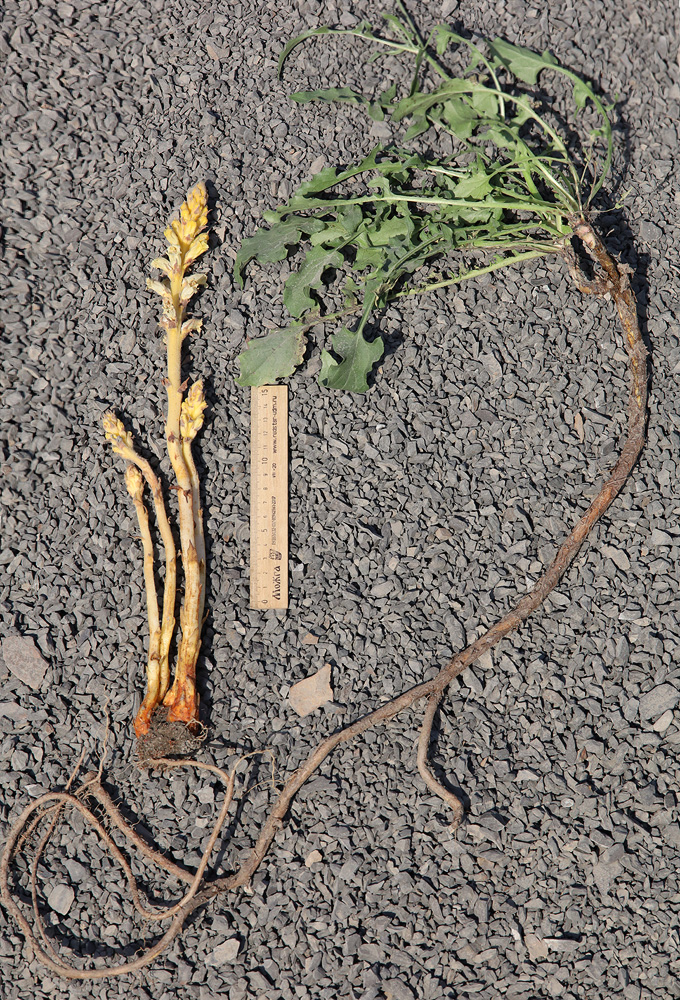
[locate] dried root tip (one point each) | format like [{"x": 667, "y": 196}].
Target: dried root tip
[
  {"x": 426, "y": 774},
  {"x": 598, "y": 286},
  {"x": 191, "y": 414},
  {"x": 143, "y": 718}
]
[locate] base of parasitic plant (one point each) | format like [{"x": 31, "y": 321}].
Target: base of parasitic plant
[{"x": 165, "y": 737}]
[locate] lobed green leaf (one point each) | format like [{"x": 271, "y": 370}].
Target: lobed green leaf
[
  {"x": 475, "y": 186},
  {"x": 271, "y": 245},
  {"x": 418, "y": 104},
  {"x": 275, "y": 356},
  {"x": 443, "y": 37},
  {"x": 460, "y": 117},
  {"x": 410, "y": 210},
  {"x": 294, "y": 42},
  {"x": 337, "y": 230},
  {"x": 318, "y": 261},
  {"x": 358, "y": 357},
  {"x": 582, "y": 94},
  {"x": 522, "y": 63}
]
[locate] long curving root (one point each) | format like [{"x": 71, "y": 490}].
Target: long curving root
[{"x": 613, "y": 278}]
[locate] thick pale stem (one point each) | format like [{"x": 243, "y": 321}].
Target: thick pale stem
[
  {"x": 135, "y": 485},
  {"x": 170, "y": 583},
  {"x": 182, "y": 700},
  {"x": 198, "y": 523},
  {"x": 122, "y": 445}
]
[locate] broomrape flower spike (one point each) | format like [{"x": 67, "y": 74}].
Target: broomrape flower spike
[{"x": 187, "y": 240}]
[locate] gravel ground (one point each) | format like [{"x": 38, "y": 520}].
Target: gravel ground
[{"x": 418, "y": 514}]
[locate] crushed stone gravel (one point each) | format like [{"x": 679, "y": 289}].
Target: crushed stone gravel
[{"x": 418, "y": 515}]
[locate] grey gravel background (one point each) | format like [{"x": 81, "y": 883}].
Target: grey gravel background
[{"x": 417, "y": 517}]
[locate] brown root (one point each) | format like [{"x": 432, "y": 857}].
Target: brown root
[{"x": 445, "y": 794}]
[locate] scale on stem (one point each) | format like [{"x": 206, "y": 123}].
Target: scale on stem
[{"x": 179, "y": 703}]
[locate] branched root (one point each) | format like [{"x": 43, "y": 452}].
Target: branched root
[{"x": 612, "y": 279}]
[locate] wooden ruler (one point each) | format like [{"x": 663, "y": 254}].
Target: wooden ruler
[{"x": 269, "y": 496}]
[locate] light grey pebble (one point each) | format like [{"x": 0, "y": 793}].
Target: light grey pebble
[
  {"x": 650, "y": 232},
  {"x": 77, "y": 872},
  {"x": 659, "y": 537},
  {"x": 604, "y": 874},
  {"x": 618, "y": 557},
  {"x": 671, "y": 834},
  {"x": 396, "y": 989},
  {"x": 23, "y": 660},
  {"x": 562, "y": 944},
  {"x": 61, "y": 898},
  {"x": 630, "y": 709},
  {"x": 536, "y": 947},
  {"x": 659, "y": 700},
  {"x": 17, "y": 713},
  {"x": 663, "y": 722},
  {"x": 224, "y": 953}
]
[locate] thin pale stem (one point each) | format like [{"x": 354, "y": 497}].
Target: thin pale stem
[
  {"x": 477, "y": 272},
  {"x": 160, "y": 638},
  {"x": 517, "y": 205},
  {"x": 170, "y": 582},
  {"x": 153, "y": 669}
]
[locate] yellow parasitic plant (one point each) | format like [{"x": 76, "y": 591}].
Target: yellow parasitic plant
[{"x": 187, "y": 240}]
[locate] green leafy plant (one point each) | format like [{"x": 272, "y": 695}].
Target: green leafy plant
[{"x": 513, "y": 190}]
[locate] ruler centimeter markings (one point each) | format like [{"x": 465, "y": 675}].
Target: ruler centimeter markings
[{"x": 269, "y": 496}]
